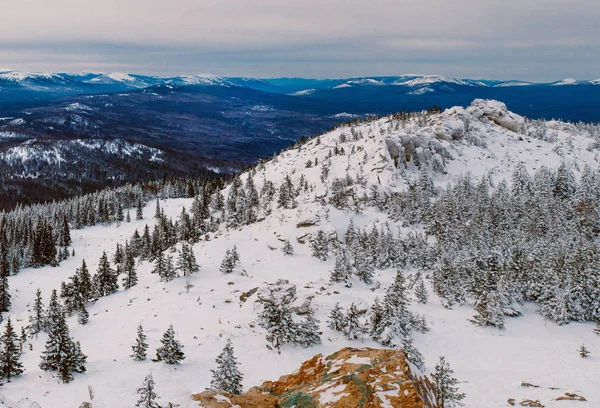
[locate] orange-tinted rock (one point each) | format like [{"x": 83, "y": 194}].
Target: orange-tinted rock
[{"x": 366, "y": 378}]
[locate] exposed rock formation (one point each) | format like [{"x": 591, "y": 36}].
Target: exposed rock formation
[{"x": 366, "y": 378}]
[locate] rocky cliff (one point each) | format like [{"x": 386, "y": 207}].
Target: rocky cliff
[{"x": 366, "y": 378}]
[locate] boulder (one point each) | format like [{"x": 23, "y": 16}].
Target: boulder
[
  {"x": 365, "y": 377},
  {"x": 496, "y": 112}
]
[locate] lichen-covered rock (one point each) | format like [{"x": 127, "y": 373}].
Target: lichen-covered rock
[{"x": 365, "y": 378}]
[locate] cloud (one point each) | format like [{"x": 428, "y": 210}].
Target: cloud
[{"x": 309, "y": 37}]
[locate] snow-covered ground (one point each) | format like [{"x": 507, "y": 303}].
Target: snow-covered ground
[{"x": 490, "y": 363}]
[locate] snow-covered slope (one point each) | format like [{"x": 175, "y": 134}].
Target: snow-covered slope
[{"x": 484, "y": 138}]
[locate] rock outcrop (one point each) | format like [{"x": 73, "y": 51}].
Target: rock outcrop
[{"x": 366, "y": 378}]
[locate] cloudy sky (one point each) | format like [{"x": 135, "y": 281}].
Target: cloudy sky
[{"x": 539, "y": 40}]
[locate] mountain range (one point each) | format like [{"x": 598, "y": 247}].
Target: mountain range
[{"x": 200, "y": 122}]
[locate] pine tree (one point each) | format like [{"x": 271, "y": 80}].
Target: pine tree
[
  {"x": 170, "y": 351},
  {"x": 354, "y": 328},
  {"x": 82, "y": 314},
  {"x": 320, "y": 246},
  {"x": 342, "y": 269},
  {"x": 421, "y": 292},
  {"x": 227, "y": 377},
  {"x": 140, "y": 346},
  {"x": 169, "y": 272},
  {"x": 139, "y": 210},
  {"x": 276, "y": 318},
  {"x": 376, "y": 319},
  {"x": 227, "y": 264},
  {"x": 396, "y": 320},
  {"x": 308, "y": 331},
  {"x": 186, "y": 261},
  {"x": 337, "y": 318},
  {"x": 23, "y": 338},
  {"x": 10, "y": 366},
  {"x": 130, "y": 279},
  {"x": 4, "y": 273},
  {"x": 488, "y": 311},
  {"x": 37, "y": 319},
  {"x": 445, "y": 389},
  {"x": 85, "y": 281},
  {"x": 62, "y": 354},
  {"x": 54, "y": 312},
  {"x": 147, "y": 395},
  {"x": 583, "y": 351},
  {"x": 597, "y": 329},
  {"x": 287, "y": 249},
  {"x": 235, "y": 257},
  {"x": 105, "y": 280},
  {"x": 160, "y": 264}
]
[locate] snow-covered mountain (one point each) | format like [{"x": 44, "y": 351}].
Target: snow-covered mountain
[{"x": 342, "y": 175}]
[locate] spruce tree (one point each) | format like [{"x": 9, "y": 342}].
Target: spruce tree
[
  {"x": 169, "y": 272},
  {"x": 85, "y": 281},
  {"x": 147, "y": 395},
  {"x": 227, "y": 377},
  {"x": 82, "y": 314},
  {"x": 276, "y": 318},
  {"x": 308, "y": 331},
  {"x": 445, "y": 389},
  {"x": 23, "y": 338},
  {"x": 139, "y": 210},
  {"x": 105, "y": 280},
  {"x": 186, "y": 261},
  {"x": 227, "y": 264},
  {"x": 4, "y": 273},
  {"x": 140, "y": 346},
  {"x": 54, "y": 312},
  {"x": 37, "y": 319},
  {"x": 62, "y": 354},
  {"x": 10, "y": 366},
  {"x": 421, "y": 292},
  {"x": 342, "y": 269},
  {"x": 170, "y": 351},
  {"x": 583, "y": 351},
  {"x": 597, "y": 328},
  {"x": 337, "y": 318},
  {"x": 287, "y": 249},
  {"x": 130, "y": 279},
  {"x": 320, "y": 246},
  {"x": 354, "y": 328},
  {"x": 160, "y": 264}
]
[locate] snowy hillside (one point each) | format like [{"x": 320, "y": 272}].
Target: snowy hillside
[{"x": 347, "y": 175}]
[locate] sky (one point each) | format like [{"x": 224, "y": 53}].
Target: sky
[{"x": 534, "y": 40}]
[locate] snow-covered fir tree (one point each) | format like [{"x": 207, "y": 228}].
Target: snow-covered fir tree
[
  {"x": 171, "y": 350},
  {"x": 10, "y": 354},
  {"x": 227, "y": 377},
  {"x": 583, "y": 351},
  {"x": 342, "y": 269},
  {"x": 337, "y": 318},
  {"x": 320, "y": 246},
  {"x": 287, "y": 248},
  {"x": 445, "y": 386},
  {"x": 62, "y": 354},
  {"x": 140, "y": 346},
  {"x": 354, "y": 327},
  {"x": 421, "y": 291},
  {"x": 147, "y": 395},
  {"x": 105, "y": 281},
  {"x": 186, "y": 261},
  {"x": 37, "y": 318},
  {"x": 130, "y": 278}
]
